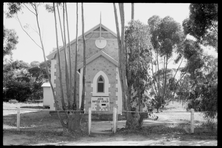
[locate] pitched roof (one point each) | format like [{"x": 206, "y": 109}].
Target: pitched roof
[
  {"x": 46, "y": 84},
  {"x": 100, "y": 53},
  {"x": 52, "y": 55}
]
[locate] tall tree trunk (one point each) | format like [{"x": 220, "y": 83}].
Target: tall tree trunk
[
  {"x": 123, "y": 55},
  {"x": 60, "y": 73},
  {"x": 43, "y": 50},
  {"x": 70, "y": 62},
  {"x": 46, "y": 65},
  {"x": 158, "y": 76},
  {"x": 75, "y": 69},
  {"x": 60, "y": 23},
  {"x": 165, "y": 80},
  {"x": 59, "y": 64},
  {"x": 73, "y": 125},
  {"x": 154, "y": 78},
  {"x": 174, "y": 91},
  {"x": 84, "y": 62},
  {"x": 66, "y": 61},
  {"x": 55, "y": 100},
  {"x": 62, "y": 36},
  {"x": 120, "y": 57},
  {"x": 132, "y": 11},
  {"x": 133, "y": 119}
]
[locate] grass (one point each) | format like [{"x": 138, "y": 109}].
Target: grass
[{"x": 41, "y": 127}]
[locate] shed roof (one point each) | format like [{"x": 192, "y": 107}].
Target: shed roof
[{"x": 46, "y": 84}]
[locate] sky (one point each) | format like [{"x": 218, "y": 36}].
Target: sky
[{"x": 28, "y": 51}]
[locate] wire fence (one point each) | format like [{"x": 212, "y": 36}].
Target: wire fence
[{"x": 90, "y": 112}]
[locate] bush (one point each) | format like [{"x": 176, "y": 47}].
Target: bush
[
  {"x": 17, "y": 90},
  {"x": 204, "y": 100},
  {"x": 37, "y": 91}
]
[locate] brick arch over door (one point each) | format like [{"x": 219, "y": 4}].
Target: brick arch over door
[{"x": 106, "y": 84}]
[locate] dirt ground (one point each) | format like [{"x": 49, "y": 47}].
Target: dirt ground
[{"x": 39, "y": 128}]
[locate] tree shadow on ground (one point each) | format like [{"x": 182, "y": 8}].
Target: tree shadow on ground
[
  {"x": 44, "y": 127},
  {"x": 171, "y": 131},
  {"x": 32, "y": 121},
  {"x": 35, "y": 107}
]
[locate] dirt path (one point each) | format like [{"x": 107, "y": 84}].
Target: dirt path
[
  {"x": 100, "y": 140},
  {"x": 12, "y": 139}
]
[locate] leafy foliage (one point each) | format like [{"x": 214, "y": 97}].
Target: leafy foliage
[
  {"x": 203, "y": 23},
  {"x": 137, "y": 45},
  {"x": 138, "y": 55},
  {"x": 166, "y": 33},
  {"x": 13, "y": 8},
  {"x": 166, "y": 37},
  {"x": 201, "y": 69},
  {"x": 49, "y": 8},
  {"x": 22, "y": 82},
  {"x": 201, "y": 83},
  {"x": 10, "y": 40}
]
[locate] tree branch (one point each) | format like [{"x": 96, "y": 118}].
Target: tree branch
[
  {"x": 46, "y": 64},
  {"x": 60, "y": 22},
  {"x": 178, "y": 68},
  {"x": 33, "y": 6},
  {"x": 158, "y": 84},
  {"x": 154, "y": 77},
  {"x": 29, "y": 9},
  {"x": 27, "y": 32}
]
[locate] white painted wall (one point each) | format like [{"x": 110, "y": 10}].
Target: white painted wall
[{"x": 48, "y": 96}]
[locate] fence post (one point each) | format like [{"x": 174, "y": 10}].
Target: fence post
[
  {"x": 192, "y": 121},
  {"x": 114, "y": 119},
  {"x": 89, "y": 120},
  {"x": 18, "y": 117}
]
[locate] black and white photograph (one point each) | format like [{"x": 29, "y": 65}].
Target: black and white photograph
[{"x": 110, "y": 74}]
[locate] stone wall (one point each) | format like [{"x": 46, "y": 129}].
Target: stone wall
[
  {"x": 91, "y": 49},
  {"x": 101, "y": 64}
]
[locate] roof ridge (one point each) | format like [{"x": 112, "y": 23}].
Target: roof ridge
[
  {"x": 96, "y": 55},
  {"x": 52, "y": 54}
]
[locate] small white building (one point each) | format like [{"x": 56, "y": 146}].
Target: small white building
[{"x": 48, "y": 96}]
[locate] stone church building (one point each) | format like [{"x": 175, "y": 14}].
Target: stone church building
[{"x": 102, "y": 84}]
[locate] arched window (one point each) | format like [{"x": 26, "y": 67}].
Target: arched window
[{"x": 100, "y": 84}]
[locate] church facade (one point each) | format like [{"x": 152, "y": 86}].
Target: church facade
[{"x": 102, "y": 84}]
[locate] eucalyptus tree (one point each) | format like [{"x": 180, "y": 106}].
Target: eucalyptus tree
[
  {"x": 13, "y": 10},
  {"x": 71, "y": 122},
  {"x": 122, "y": 57},
  {"x": 201, "y": 69},
  {"x": 203, "y": 23},
  {"x": 167, "y": 38},
  {"x": 133, "y": 44},
  {"x": 138, "y": 47},
  {"x": 76, "y": 49},
  {"x": 84, "y": 61},
  {"x": 74, "y": 118},
  {"x": 10, "y": 39}
]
